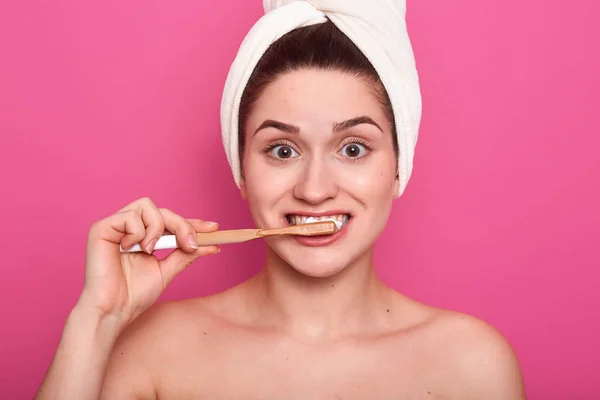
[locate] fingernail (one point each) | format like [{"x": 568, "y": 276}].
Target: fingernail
[
  {"x": 150, "y": 246},
  {"x": 218, "y": 250},
  {"x": 192, "y": 241},
  {"x": 212, "y": 224}
]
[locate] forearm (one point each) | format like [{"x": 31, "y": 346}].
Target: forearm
[{"x": 79, "y": 364}]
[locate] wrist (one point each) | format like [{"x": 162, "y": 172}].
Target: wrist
[
  {"x": 98, "y": 327},
  {"x": 80, "y": 361}
]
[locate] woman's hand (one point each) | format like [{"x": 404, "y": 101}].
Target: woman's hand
[{"x": 121, "y": 286}]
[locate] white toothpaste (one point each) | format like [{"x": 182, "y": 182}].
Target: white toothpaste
[{"x": 338, "y": 224}]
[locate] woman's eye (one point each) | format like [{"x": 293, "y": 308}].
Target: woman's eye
[
  {"x": 283, "y": 152},
  {"x": 353, "y": 150}
]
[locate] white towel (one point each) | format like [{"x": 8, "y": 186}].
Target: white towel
[{"x": 377, "y": 28}]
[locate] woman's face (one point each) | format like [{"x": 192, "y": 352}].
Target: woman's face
[{"x": 318, "y": 144}]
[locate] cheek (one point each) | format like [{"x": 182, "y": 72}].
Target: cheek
[
  {"x": 265, "y": 183},
  {"x": 373, "y": 181}
]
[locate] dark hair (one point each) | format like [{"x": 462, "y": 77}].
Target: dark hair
[{"x": 321, "y": 46}]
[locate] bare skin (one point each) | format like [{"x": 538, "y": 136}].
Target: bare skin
[
  {"x": 316, "y": 322},
  {"x": 222, "y": 348}
]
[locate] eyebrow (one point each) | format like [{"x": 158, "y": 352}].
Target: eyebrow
[
  {"x": 337, "y": 127},
  {"x": 345, "y": 125},
  {"x": 279, "y": 126}
]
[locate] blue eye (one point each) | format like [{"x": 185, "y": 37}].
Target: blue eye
[
  {"x": 354, "y": 150},
  {"x": 283, "y": 152}
]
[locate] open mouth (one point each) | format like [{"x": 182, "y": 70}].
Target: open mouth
[{"x": 339, "y": 219}]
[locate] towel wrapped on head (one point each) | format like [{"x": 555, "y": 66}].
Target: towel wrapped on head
[{"x": 376, "y": 27}]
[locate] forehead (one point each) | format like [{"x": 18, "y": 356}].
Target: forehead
[{"x": 316, "y": 97}]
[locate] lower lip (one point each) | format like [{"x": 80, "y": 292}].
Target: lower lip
[{"x": 323, "y": 240}]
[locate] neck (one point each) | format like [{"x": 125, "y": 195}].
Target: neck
[{"x": 318, "y": 309}]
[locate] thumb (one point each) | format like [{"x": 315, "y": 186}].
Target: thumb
[{"x": 179, "y": 260}]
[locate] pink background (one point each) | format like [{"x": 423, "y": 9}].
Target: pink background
[{"x": 105, "y": 102}]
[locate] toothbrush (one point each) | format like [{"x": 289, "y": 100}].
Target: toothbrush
[{"x": 243, "y": 235}]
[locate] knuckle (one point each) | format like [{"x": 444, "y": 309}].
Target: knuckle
[
  {"x": 147, "y": 201},
  {"x": 190, "y": 227},
  {"x": 96, "y": 224},
  {"x": 164, "y": 210},
  {"x": 165, "y": 214},
  {"x": 94, "y": 228},
  {"x": 183, "y": 229},
  {"x": 173, "y": 218},
  {"x": 157, "y": 222},
  {"x": 159, "y": 226},
  {"x": 132, "y": 214},
  {"x": 161, "y": 214}
]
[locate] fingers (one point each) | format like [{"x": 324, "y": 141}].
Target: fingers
[
  {"x": 179, "y": 260},
  {"x": 203, "y": 226},
  {"x": 132, "y": 225},
  {"x": 185, "y": 230},
  {"x": 153, "y": 222},
  {"x": 142, "y": 222},
  {"x": 125, "y": 227}
]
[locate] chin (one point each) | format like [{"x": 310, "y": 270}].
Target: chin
[
  {"x": 318, "y": 268},
  {"x": 315, "y": 262}
]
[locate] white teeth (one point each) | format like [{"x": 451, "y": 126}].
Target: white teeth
[
  {"x": 309, "y": 220},
  {"x": 339, "y": 220}
]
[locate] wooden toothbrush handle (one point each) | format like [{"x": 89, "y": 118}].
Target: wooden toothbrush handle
[
  {"x": 311, "y": 229},
  {"x": 225, "y": 237},
  {"x": 277, "y": 231}
]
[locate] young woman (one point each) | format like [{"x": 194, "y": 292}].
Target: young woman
[{"x": 317, "y": 138}]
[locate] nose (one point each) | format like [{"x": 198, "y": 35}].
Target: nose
[{"x": 317, "y": 183}]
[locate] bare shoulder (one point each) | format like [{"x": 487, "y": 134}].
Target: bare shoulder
[
  {"x": 482, "y": 359},
  {"x": 146, "y": 347}
]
